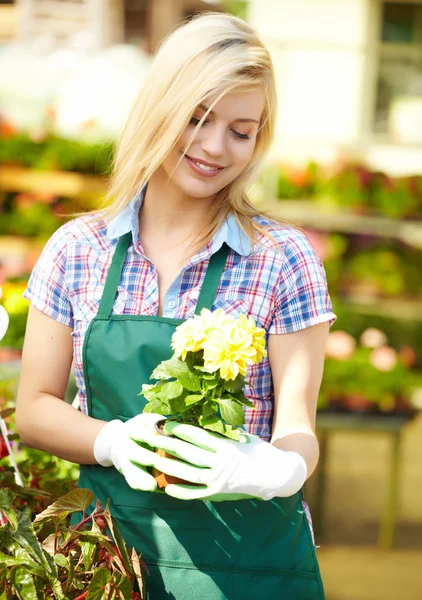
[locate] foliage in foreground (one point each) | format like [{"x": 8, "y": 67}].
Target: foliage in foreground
[{"x": 48, "y": 558}]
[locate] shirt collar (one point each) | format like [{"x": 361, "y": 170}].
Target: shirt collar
[{"x": 230, "y": 231}]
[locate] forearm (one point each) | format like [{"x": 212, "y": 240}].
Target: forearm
[
  {"x": 50, "y": 424},
  {"x": 305, "y": 444}
]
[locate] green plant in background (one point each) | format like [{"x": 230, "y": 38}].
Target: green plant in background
[
  {"x": 47, "y": 558},
  {"x": 370, "y": 375},
  {"x": 50, "y": 152},
  {"x": 352, "y": 186},
  {"x": 396, "y": 197},
  {"x": 385, "y": 271}
]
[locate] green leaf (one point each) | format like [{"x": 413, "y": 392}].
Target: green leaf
[
  {"x": 150, "y": 391},
  {"x": 122, "y": 583},
  {"x": 6, "y": 500},
  {"x": 231, "y": 432},
  {"x": 74, "y": 501},
  {"x": 62, "y": 561},
  {"x": 167, "y": 369},
  {"x": 57, "y": 589},
  {"x": 209, "y": 409},
  {"x": 20, "y": 559},
  {"x": 156, "y": 406},
  {"x": 212, "y": 423},
  {"x": 26, "y": 538},
  {"x": 231, "y": 411},
  {"x": 24, "y": 583},
  {"x": 193, "y": 399},
  {"x": 88, "y": 549},
  {"x": 240, "y": 397},
  {"x": 236, "y": 385},
  {"x": 96, "y": 589},
  {"x": 170, "y": 390},
  {"x": 190, "y": 381},
  {"x": 177, "y": 369}
]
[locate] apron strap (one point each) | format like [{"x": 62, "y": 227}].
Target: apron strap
[
  {"x": 113, "y": 277},
  {"x": 212, "y": 278},
  {"x": 209, "y": 286}
]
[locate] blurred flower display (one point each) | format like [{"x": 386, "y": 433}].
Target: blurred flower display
[{"x": 370, "y": 376}]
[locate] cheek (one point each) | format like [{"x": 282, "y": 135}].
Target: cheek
[{"x": 242, "y": 153}]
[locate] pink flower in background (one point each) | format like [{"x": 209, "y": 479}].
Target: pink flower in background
[
  {"x": 340, "y": 345},
  {"x": 318, "y": 243},
  {"x": 373, "y": 338},
  {"x": 383, "y": 358}
]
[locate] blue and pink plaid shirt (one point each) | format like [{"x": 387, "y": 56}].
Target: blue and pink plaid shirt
[{"x": 283, "y": 289}]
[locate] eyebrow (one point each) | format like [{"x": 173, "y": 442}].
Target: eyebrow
[{"x": 205, "y": 108}]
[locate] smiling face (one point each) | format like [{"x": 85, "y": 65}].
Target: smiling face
[{"x": 221, "y": 149}]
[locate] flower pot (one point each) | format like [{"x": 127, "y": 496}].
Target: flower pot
[{"x": 161, "y": 478}]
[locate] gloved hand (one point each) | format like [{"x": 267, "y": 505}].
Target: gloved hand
[
  {"x": 229, "y": 470},
  {"x": 129, "y": 447}
]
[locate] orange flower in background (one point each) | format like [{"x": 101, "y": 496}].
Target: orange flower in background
[
  {"x": 407, "y": 356},
  {"x": 6, "y": 129},
  {"x": 340, "y": 345},
  {"x": 383, "y": 358}
]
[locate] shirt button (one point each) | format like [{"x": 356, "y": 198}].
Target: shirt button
[{"x": 171, "y": 304}]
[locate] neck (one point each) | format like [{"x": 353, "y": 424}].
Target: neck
[{"x": 168, "y": 213}]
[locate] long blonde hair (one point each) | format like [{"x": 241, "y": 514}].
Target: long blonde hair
[{"x": 197, "y": 63}]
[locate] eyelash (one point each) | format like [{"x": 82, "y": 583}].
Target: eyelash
[{"x": 240, "y": 136}]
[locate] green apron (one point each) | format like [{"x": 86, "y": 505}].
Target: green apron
[{"x": 194, "y": 550}]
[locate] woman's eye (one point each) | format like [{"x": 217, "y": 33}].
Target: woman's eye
[
  {"x": 194, "y": 121},
  {"x": 241, "y": 136}
]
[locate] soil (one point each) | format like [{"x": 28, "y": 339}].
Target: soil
[{"x": 162, "y": 479}]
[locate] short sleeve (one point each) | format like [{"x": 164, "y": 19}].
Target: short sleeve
[
  {"x": 46, "y": 287},
  {"x": 301, "y": 296}
]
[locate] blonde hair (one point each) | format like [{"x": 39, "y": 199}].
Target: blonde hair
[{"x": 198, "y": 63}]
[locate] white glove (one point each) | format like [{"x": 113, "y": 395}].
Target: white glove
[
  {"x": 130, "y": 448},
  {"x": 227, "y": 469}
]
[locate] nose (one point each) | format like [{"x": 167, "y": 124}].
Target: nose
[{"x": 213, "y": 141}]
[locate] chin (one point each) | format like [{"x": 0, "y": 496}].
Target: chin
[{"x": 198, "y": 189}]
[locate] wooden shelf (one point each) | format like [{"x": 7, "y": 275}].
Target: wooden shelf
[
  {"x": 59, "y": 183},
  {"x": 307, "y": 213},
  {"x": 393, "y": 308}
]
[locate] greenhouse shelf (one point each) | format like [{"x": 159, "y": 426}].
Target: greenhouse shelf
[
  {"x": 307, "y": 213},
  {"x": 58, "y": 183},
  {"x": 399, "y": 309}
]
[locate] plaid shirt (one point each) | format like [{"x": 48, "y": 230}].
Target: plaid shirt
[{"x": 283, "y": 289}]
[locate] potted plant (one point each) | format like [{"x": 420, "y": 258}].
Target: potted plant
[{"x": 202, "y": 384}]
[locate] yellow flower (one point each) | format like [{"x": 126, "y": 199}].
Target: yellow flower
[
  {"x": 258, "y": 337},
  {"x": 191, "y": 335},
  {"x": 229, "y": 350},
  {"x": 188, "y": 337}
]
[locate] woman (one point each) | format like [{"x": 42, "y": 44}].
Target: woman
[{"x": 109, "y": 290}]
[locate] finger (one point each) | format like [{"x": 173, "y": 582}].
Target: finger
[
  {"x": 187, "y": 492},
  {"x": 182, "y": 470},
  {"x": 185, "y": 451},
  {"x": 138, "y": 479},
  {"x": 195, "y": 435},
  {"x": 136, "y": 453}
]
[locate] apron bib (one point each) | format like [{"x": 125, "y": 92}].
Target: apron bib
[{"x": 194, "y": 550}]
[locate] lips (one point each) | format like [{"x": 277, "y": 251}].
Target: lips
[
  {"x": 203, "y": 168},
  {"x": 205, "y": 163}
]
